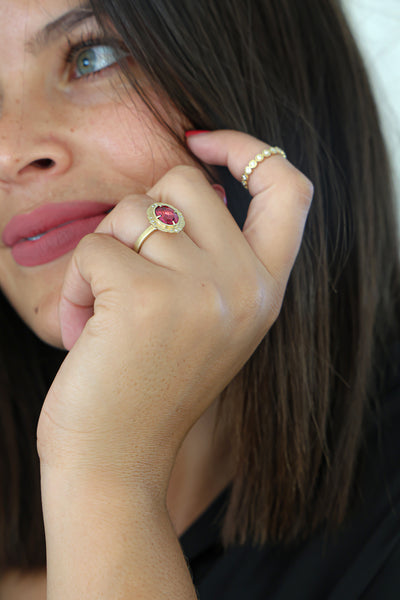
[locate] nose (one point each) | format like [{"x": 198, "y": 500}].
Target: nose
[{"x": 30, "y": 150}]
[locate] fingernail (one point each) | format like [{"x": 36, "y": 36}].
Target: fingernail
[
  {"x": 221, "y": 192},
  {"x": 195, "y": 132}
]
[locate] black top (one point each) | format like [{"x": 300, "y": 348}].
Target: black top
[{"x": 360, "y": 561}]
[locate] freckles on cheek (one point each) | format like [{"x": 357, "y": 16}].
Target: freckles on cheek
[
  {"x": 132, "y": 151},
  {"x": 116, "y": 133},
  {"x": 129, "y": 143}
]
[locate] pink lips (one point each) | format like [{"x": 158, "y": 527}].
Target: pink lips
[{"x": 57, "y": 229}]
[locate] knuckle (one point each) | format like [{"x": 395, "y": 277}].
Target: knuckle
[
  {"x": 302, "y": 186},
  {"x": 127, "y": 208},
  {"x": 261, "y": 302},
  {"x": 305, "y": 189},
  {"x": 93, "y": 244},
  {"x": 88, "y": 243},
  {"x": 184, "y": 171},
  {"x": 251, "y": 297},
  {"x": 275, "y": 308},
  {"x": 298, "y": 185},
  {"x": 123, "y": 213},
  {"x": 186, "y": 174},
  {"x": 124, "y": 205}
]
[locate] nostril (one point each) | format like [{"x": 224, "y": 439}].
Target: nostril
[{"x": 43, "y": 163}]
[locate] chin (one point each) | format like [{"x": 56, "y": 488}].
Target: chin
[
  {"x": 34, "y": 294},
  {"x": 49, "y": 334},
  {"x": 41, "y": 316},
  {"x": 41, "y": 313},
  {"x": 46, "y": 324}
]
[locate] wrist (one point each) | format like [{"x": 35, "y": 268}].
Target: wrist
[
  {"x": 99, "y": 490},
  {"x": 108, "y": 540},
  {"x": 107, "y": 457}
]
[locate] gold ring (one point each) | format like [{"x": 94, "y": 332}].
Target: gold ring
[
  {"x": 257, "y": 160},
  {"x": 162, "y": 217}
]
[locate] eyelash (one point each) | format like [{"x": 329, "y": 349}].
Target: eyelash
[{"x": 88, "y": 41}]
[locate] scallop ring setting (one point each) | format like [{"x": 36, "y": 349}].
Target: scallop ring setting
[{"x": 162, "y": 217}]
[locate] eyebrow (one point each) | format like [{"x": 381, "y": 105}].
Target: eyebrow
[{"x": 62, "y": 25}]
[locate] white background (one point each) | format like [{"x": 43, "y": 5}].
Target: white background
[{"x": 376, "y": 27}]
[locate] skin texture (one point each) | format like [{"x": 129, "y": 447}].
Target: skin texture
[
  {"x": 46, "y": 114},
  {"x": 153, "y": 338},
  {"x": 161, "y": 383}
]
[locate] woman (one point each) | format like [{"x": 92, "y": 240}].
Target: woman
[{"x": 179, "y": 412}]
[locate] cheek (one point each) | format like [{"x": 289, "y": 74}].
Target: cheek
[
  {"x": 118, "y": 149},
  {"x": 131, "y": 144}
]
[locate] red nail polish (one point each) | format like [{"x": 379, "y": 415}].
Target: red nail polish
[{"x": 195, "y": 132}]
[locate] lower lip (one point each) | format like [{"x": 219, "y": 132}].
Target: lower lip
[{"x": 54, "y": 243}]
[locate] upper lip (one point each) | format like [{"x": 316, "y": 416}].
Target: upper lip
[{"x": 50, "y": 216}]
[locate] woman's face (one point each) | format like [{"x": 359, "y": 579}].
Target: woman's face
[{"x": 73, "y": 142}]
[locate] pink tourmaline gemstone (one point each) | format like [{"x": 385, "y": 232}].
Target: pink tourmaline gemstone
[{"x": 166, "y": 215}]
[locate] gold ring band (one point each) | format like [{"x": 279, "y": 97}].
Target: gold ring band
[
  {"x": 162, "y": 217},
  {"x": 253, "y": 164},
  {"x": 143, "y": 237}
]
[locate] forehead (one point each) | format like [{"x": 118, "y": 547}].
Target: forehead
[
  {"x": 30, "y": 25},
  {"x": 30, "y": 15}
]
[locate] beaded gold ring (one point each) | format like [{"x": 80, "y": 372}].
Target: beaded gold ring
[{"x": 253, "y": 164}]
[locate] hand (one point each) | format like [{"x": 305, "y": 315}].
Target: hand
[{"x": 156, "y": 337}]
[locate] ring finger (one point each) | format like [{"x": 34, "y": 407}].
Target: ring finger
[{"x": 128, "y": 221}]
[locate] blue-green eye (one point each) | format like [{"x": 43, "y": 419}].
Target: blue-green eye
[{"x": 94, "y": 59}]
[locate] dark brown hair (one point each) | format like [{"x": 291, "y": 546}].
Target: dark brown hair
[
  {"x": 27, "y": 367},
  {"x": 287, "y": 72}
]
